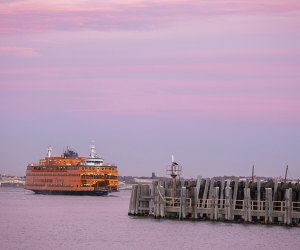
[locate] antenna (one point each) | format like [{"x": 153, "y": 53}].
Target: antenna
[
  {"x": 93, "y": 153},
  {"x": 252, "y": 173},
  {"x": 49, "y": 151}
]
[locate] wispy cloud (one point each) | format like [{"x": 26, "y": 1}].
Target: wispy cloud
[
  {"x": 37, "y": 16},
  {"x": 272, "y": 69},
  {"x": 272, "y": 100},
  {"x": 18, "y": 51}
]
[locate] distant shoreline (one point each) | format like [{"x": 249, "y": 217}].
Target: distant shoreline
[{"x": 16, "y": 185}]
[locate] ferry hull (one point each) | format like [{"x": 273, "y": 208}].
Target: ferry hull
[{"x": 66, "y": 192}]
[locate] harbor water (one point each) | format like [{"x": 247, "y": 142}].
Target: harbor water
[{"x": 30, "y": 221}]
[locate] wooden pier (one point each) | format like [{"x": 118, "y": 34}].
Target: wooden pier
[{"x": 223, "y": 200}]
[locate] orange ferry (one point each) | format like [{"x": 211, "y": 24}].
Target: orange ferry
[{"x": 71, "y": 174}]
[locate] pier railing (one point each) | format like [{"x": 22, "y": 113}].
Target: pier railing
[
  {"x": 175, "y": 202},
  {"x": 240, "y": 204},
  {"x": 217, "y": 201}
]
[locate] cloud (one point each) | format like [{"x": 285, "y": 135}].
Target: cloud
[
  {"x": 38, "y": 16},
  {"x": 18, "y": 51},
  {"x": 246, "y": 69}
]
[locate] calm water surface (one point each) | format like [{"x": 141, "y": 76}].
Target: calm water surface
[{"x": 29, "y": 221}]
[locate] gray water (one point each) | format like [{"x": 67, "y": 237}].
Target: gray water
[{"x": 30, "y": 221}]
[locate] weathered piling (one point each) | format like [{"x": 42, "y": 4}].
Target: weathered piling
[
  {"x": 182, "y": 212},
  {"x": 228, "y": 203},
  {"x": 226, "y": 200},
  {"x": 247, "y": 205},
  {"x": 288, "y": 207}
]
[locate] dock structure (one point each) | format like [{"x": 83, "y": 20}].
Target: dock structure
[{"x": 219, "y": 200}]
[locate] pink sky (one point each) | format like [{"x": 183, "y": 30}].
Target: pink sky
[{"x": 198, "y": 68}]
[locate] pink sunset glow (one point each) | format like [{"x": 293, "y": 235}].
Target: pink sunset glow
[
  {"x": 18, "y": 51},
  {"x": 159, "y": 77},
  {"x": 36, "y": 16}
]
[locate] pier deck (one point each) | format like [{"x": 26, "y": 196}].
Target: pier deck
[{"x": 224, "y": 200}]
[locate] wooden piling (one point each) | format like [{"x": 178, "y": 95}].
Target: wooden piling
[
  {"x": 196, "y": 197},
  {"x": 247, "y": 205},
  {"x": 236, "y": 186},
  {"x": 162, "y": 204},
  {"x": 137, "y": 199},
  {"x": 204, "y": 197},
  {"x": 222, "y": 193},
  {"x": 288, "y": 207},
  {"x": 275, "y": 189},
  {"x": 258, "y": 197},
  {"x": 182, "y": 213},
  {"x": 132, "y": 201},
  {"x": 228, "y": 204},
  {"x": 215, "y": 199}
]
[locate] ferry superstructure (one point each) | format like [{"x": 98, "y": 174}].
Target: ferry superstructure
[{"x": 72, "y": 174}]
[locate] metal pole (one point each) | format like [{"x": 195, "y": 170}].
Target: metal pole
[{"x": 286, "y": 170}]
